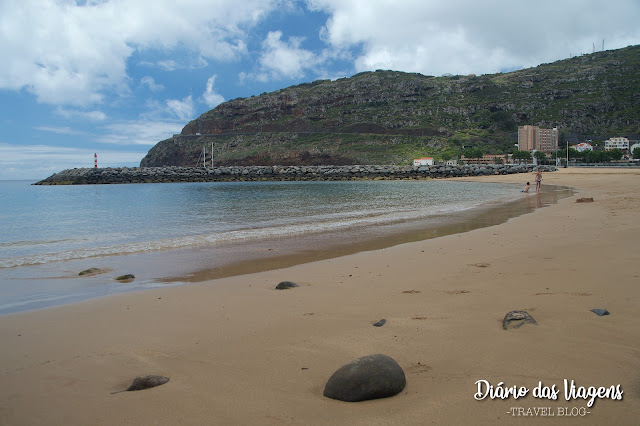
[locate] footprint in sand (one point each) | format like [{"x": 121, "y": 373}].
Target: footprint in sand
[
  {"x": 452, "y": 292},
  {"x": 480, "y": 265},
  {"x": 418, "y": 317},
  {"x": 412, "y": 291},
  {"x": 418, "y": 368},
  {"x": 570, "y": 294}
]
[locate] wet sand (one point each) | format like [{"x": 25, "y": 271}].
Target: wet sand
[{"x": 239, "y": 352}]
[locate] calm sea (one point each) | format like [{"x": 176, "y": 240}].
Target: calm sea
[{"x": 50, "y": 233}]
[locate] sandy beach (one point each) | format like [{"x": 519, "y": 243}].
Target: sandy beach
[{"x": 239, "y": 352}]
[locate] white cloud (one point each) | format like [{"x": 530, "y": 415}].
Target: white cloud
[
  {"x": 190, "y": 63},
  {"x": 182, "y": 109},
  {"x": 39, "y": 161},
  {"x": 210, "y": 97},
  {"x": 285, "y": 58},
  {"x": 94, "y": 115},
  {"x": 141, "y": 132},
  {"x": 168, "y": 65},
  {"x": 468, "y": 36},
  {"x": 59, "y": 130},
  {"x": 60, "y": 52},
  {"x": 66, "y": 53},
  {"x": 151, "y": 83}
]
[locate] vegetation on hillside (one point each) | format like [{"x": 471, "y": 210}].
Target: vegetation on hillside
[{"x": 386, "y": 117}]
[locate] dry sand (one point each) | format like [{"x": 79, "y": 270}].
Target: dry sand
[{"x": 239, "y": 352}]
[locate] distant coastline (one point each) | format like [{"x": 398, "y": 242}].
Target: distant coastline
[{"x": 121, "y": 175}]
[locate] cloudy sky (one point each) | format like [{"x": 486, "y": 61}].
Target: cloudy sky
[{"x": 114, "y": 77}]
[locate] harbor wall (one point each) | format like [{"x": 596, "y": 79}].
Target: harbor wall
[{"x": 90, "y": 176}]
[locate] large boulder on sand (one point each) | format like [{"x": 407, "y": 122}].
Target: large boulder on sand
[{"x": 368, "y": 377}]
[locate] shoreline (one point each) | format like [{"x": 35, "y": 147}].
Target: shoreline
[
  {"x": 58, "y": 283},
  {"x": 292, "y": 251},
  {"x": 239, "y": 352}
]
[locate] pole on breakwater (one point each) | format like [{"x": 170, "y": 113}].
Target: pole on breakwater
[{"x": 95, "y": 160}]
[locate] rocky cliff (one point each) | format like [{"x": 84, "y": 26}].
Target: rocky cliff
[{"x": 388, "y": 117}]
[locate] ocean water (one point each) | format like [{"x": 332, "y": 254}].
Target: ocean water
[{"x": 50, "y": 233}]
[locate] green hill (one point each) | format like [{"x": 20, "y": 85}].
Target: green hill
[{"x": 386, "y": 117}]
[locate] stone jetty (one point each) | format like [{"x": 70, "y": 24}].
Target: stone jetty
[{"x": 91, "y": 176}]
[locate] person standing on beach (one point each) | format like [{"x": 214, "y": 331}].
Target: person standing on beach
[{"x": 538, "y": 180}]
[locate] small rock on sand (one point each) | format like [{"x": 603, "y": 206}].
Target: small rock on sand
[
  {"x": 380, "y": 323},
  {"x": 516, "y": 319},
  {"x": 600, "y": 312},
  {"x": 145, "y": 382},
  {"x": 285, "y": 285},
  {"x": 92, "y": 271},
  {"x": 125, "y": 278}
]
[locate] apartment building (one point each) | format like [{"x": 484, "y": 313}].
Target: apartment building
[
  {"x": 532, "y": 138},
  {"x": 617, "y": 142}
]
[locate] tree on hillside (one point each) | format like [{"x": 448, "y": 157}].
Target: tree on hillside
[
  {"x": 473, "y": 153},
  {"x": 636, "y": 153}
]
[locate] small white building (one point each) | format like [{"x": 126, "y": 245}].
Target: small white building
[
  {"x": 424, "y": 161},
  {"x": 617, "y": 142},
  {"x": 584, "y": 146}
]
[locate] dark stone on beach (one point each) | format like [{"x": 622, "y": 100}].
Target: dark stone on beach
[
  {"x": 91, "y": 271},
  {"x": 145, "y": 382},
  {"x": 516, "y": 319},
  {"x": 600, "y": 312},
  {"x": 127, "y": 277},
  {"x": 380, "y": 323},
  {"x": 368, "y": 377},
  {"x": 285, "y": 285},
  {"x": 585, "y": 200}
]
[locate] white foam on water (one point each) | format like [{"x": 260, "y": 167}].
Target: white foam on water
[{"x": 319, "y": 224}]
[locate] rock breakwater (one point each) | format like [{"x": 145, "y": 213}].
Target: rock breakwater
[{"x": 92, "y": 176}]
